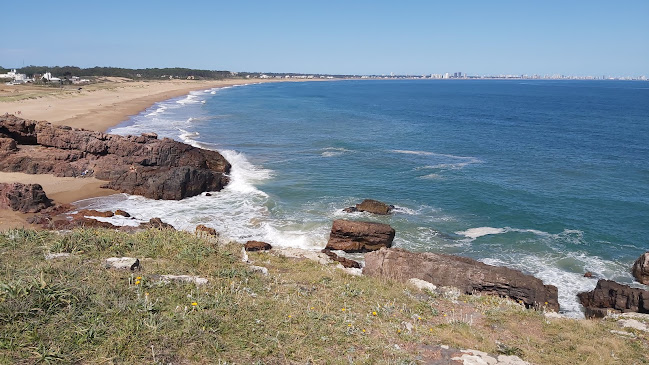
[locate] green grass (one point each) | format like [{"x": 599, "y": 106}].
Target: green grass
[{"x": 75, "y": 311}]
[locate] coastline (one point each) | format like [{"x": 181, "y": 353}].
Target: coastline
[{"x": 97, "y": 108}]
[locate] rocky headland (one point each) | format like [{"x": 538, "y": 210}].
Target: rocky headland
[{"x": 142, "y": 165}]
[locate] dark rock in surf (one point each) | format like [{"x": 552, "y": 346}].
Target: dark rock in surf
[
  {"x": 371, "y": 206},
  {"x": 611, "y": 296},
  {"x": 640, "y": 269},
  {"x": 257, "y": 246},
  {"x": 352, "y": 236},
  {"x": 464, "y": 273},
  {"x": 156, "y": 223}
]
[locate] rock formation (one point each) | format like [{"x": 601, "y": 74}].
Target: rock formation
[
  {"x": 611, "y": 296},
  {"x": 371, "y": 206},
  {"x": 257, "y": 246},
  {"x": 640, "y": 269},
  {"x": 25, "y": 198},
  {"x": 205, "y": 230},
  {"x": 464, "y": 273},
  {"x": 343, "y": 260},
  {"x": 352, "y": 236},
  {"x": 142, "y": 165}
]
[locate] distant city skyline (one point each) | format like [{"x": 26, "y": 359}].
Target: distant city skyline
[{"x": 577, "y": 38}]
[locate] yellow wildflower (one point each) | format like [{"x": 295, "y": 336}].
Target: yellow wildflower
[
  {"x": 138, "y": 278},
  {"x": 374, "y": 313},
  {"x": 342, "y": 310},
  {"x": 137, "y": 282},
  {"x": 194, "y": 304}
]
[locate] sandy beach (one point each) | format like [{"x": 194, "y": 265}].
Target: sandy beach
[{"x": 96, "y": 107}]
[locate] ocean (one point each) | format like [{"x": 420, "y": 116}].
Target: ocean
[{"x": 549, "y": 177}]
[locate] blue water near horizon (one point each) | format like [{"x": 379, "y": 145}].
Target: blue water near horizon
[{"x": 549, "y": 177}]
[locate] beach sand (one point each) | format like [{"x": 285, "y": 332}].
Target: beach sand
[{"x": 96, "y": 107}]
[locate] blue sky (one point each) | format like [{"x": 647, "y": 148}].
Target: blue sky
[{"x": 348, "y": 37}]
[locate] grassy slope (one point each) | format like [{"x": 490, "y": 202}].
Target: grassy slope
[{"x": 74, "y": 310}]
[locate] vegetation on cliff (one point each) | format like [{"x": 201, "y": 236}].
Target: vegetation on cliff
[{"x": 74, "y": 310}]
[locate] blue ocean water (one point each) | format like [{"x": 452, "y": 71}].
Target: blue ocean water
[{"x": 549, "y": 177}]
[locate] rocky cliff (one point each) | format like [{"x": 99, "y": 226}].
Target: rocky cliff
[{"x": 142, "y": 165}]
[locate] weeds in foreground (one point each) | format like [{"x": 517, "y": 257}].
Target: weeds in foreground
[{"x": 73, "y": 310}]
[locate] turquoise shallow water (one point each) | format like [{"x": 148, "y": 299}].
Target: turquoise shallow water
[{"x": 550, "y": 177}]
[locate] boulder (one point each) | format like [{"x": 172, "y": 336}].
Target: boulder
[
  {"x": 342, "y": 260},
  {"x": 209, "y": 231},
  {"x": 257, "y": 246},
  {"x": 122, "y": 263},
  {"x": 142, "y": 165},
  {"x": 122, "y": 213},
  {"x": 611, "y": 296},
  {"x": 464, "y": 273},
  {"x": 640, "y": 269},
  {"x": 352, "y": 236},
  {"x": 25, "y": 198},
  {"x": 156, "y": 223},
  {"x": 374, "y": 206}
]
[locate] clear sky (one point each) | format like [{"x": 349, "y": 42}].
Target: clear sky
[{"x": 571, "y": 37}]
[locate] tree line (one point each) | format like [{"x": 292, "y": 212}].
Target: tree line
[{"x": 144, "y": 73}]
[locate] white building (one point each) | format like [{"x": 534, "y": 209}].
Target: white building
[
  {"x": 15, "y": 77},
  {"x": 48, "y": 76}
]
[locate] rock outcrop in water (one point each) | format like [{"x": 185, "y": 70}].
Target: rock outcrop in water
[
  {"x": 142, "y": 165},
  {"x": 25, "y": 198},
  {"x": 461, "y": 272},
  {"x": 640, "y": 269},
  {"x": 611, "y": 296},
  {"x": 371, "y": 206},
  {"x": 352, "y": 236}
]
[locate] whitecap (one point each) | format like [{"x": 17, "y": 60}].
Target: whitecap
[{"x": 481, "y": 231}]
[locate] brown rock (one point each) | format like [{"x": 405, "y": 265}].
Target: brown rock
[
  {"x": 122, "y": 213},
  {"x": 201, "y": 229},
  {"x": 257, "y": 246},
  {"x": 464, "y": 273},
  {"x": 95, "y": 213},
  {"x": 156, "y": 223},
  {"x": 143, "y": 165},
  {"x": 640, "y": 269},
  {"x": 352, "y": 236},
  {"x": 374, "y": 206},
  {"x": 609, "y": 295},
  {"x": 588, "y": 274},
  {"x": 25, "y": 198},
  {"x": 343, "y": 260},
  {"x": 8, "y": 145}
]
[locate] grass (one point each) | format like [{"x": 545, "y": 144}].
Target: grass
[{"x": 75, "y": 311}]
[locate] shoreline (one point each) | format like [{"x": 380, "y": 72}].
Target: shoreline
[{"x": 100, "y": 108}]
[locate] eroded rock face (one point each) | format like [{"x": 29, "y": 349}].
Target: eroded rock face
[
  {"x": 142, "y": 165},
  {"x": 640, "y": 269},
  {"x": 611, "y": 296},
  {"x": 25, "y": 198},
  {"x": 352, "y": 236},
  {"x": 464, "y": 273}
]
